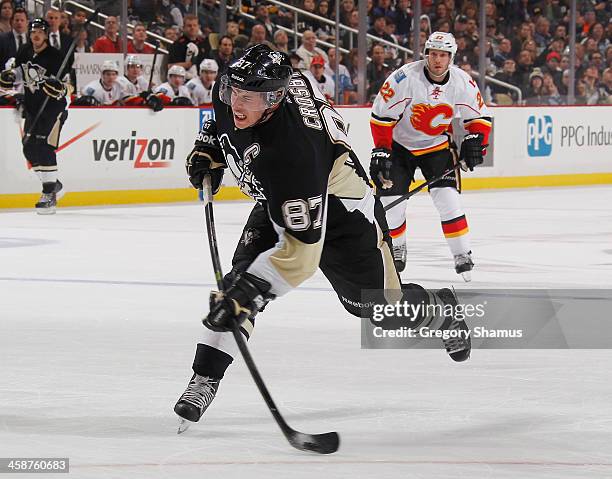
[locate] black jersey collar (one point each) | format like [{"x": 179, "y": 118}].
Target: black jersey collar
[{"x": 431, "y": 80}]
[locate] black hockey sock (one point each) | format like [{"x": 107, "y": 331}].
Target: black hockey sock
[
  {"x": 210, "y": 361},
  {"x": 48, "y": 187}
]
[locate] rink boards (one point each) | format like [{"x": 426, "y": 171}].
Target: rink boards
[{"x": 133, "y": 155}]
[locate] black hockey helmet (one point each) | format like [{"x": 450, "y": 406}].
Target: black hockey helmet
[
  {"x": 259, "y": 69},
  {"x": 39, "y": 24}
]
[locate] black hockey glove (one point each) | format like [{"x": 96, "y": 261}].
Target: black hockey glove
[
  {"x": 152, "y": 101},
  {"x": 472, "y": 150},
  {"x": 7, "y": 79},
  {"x": 243, "y": 299},
  {"x": 206, "y": 158},
  {"x": 380, "y": 168},
  {"x": 54, "y": 88}
]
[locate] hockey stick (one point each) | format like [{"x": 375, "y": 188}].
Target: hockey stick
[
  {"x": 417, "y": 189},
  {"x": 322, "y": 443},
  {"x": 153, "y": 65},
  {"x": 60, "y": 72}
]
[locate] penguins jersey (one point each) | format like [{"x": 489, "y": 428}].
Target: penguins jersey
[
  {"x": 200, "y": 95},
  {"x": 31, "y": 70},
  {"x": 132, "y": 89},
  {"x": 169, "y": 93},
  {"x": 299, "y": 165},
  {"x": 416, "y": 112},
  {"x": 103, "y": 95}
]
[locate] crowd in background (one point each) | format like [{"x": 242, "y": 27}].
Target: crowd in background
[{"x": 527, "y": 42}]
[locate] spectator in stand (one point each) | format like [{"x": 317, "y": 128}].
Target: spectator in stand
[
  {"x": 281, "y": 41},
  {"x": 171, "y": 33},
  {"x": 507, "y": 75},
  {"x": 596, "y": 60},
  {"x": 531, "y": 46},
  {"x": 109, "y": 42},
  {"x": 403, "y": 21},
  {"x": 79, "y": 17},
  {"x": 346, "y": 8},
  {"x": 209, "y": 14},
  {"x": 83, "y": 45},
  {"x": 6, "y": 13},
  {"x": 460, "y": 25},
  {"x": 308, "y": 50},
  {"x": 561, "y": 32},
  {"x": 190, "y": 49},
  {"x": 384, "y": 9},
  {"x": 504, "y": 52},
  {"x": 556, "y": 46},
  {"x": 258, "y": 35},
  {"x": 11, "y": 41},
  {"x": 138, "y": 45},
  {"x": 597, "y": 33},
  {"x": 65, "y": 26},
  {"x": 553, "y": 61},
  {"x": 224, "y": 54},
  {"x": 550, "y": 91},
  {"x": 348, "y": 39},
  {"x": 523, "y": 34},
  {"x": 590, "y": 77},
  {"x": 346, "y": 89},
  {"x": 465, "y": 50},
  {"x": 443, "y": 26},
  {"x": 471, "y": 30},
  {"x": 178, "y": 10},
  {"x": 58, "y": 40},
  {"x": 534, "y": 94},
  {"x": 307, "y": 23},
  {"x": 524, "y": 65},
  {"x": 605, "y": 88},
  {"x": 425, "y": 25},
  {"x": 542, "y": 34},
  {"x": 316, "y": 73},
  {"x": 324, "y": 31},
  {"x": 378, "y": 29},
  {"x": 262, "y": 17},
  {"x": 377, "y": 71},
  {"x": 588, "y": 20}
]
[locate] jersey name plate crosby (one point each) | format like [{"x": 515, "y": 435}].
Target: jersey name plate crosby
[{"x": 422, "y": 111}]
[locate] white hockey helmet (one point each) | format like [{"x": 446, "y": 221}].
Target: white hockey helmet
[
  {"x": 209, "y": 65},
  {"x": 441, "y": 41},
  {"x": 109, "y": 65},
  {"x": 177, "y": 70},
  {"x": 132, "y": 60}
]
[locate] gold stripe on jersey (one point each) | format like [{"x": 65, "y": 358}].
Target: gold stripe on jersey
[
  {"x": 431, "y": 149},
  {"x": 382, "y": 123}
]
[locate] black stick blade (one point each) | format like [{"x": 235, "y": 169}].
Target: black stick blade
[{"x": 326, "y": 443}]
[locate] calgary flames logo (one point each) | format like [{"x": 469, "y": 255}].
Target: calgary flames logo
[{"x": 423, "y": 116}]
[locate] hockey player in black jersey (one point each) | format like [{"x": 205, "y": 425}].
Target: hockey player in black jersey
[
  {"x": 288, "y": 149},
  {"x": 36, "y": 66}
]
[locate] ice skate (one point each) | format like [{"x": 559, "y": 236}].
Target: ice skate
[
  {"x": 399, "y": 257},
  {"x": 458, "y": 348},
  {"x": 195, "y": 400},
  {"x": 464, "y": 265},
  {"x": 46, "y": 204}
]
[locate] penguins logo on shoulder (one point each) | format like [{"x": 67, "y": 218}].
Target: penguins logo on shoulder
[{"x": 240, "y": 167}]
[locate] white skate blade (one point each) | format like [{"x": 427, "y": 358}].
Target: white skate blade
[
  {"x": 183, "y": 425},
  {"x": 467, "y": 276}
]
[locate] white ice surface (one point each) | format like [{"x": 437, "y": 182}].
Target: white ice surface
[{"x": 100, "y": 311}]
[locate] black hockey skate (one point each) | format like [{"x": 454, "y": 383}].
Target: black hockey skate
[
  {"x": 399, "y": 257},
  {"x": 48, "y": 201},
  {"x": 464, "y": 265},
  {"x": 458, "y": 348},
  {"x": 190, "y": 407}
]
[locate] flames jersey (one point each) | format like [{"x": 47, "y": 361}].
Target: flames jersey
[
  {"x": 102, "y": 94},
  {"x": 168, "y": 93},
  {"x": 132, "y": 89},
  {"x": 416, "y": 112}
]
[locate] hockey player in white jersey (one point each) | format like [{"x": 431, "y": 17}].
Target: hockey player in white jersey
[
  {"x": 174, "y": 88},
  {"x": 133, "y": 83},
  {"x": 201, "y": 87},
  {"x": 410, "y": 123},
  {"x": 106, "y": 90}
]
